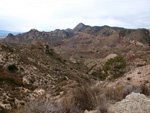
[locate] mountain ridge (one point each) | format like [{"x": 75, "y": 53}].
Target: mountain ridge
[
  {"x": 85, "y": 40},
  {"x": 93, "y": 30}
]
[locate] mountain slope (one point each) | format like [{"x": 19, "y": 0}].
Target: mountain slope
[
  {"x": 33, "y": 70},
  {"x": 99, "y": 41}
]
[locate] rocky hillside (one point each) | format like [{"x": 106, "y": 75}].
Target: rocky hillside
[
  {"x": 28, "y": 72},
  {"x": 73, "y": 70},
  {"x": 95, "y": 42}
]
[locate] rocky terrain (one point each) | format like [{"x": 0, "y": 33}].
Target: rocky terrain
[
  {"x": 74, "y": 70},
  {"x": 28, "y": 72}
]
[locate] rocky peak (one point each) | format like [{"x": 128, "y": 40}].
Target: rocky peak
[
  {"x": 80, "y": 27},
  {"x": 10, "y": 35},
  {"x": 33, "y": 31}
]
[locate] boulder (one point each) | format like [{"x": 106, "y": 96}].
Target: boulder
[{"x": 133, "y": 103}]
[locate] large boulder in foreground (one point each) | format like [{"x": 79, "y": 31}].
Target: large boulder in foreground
[{"x": 133, "y": 103}]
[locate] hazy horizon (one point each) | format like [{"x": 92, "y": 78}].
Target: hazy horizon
[{"x": 47, "y": 15}]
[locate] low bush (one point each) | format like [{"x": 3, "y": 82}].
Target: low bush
[
  {"x": 51, "y": 53},
  {"x": 3, "y": 111},
  {"x": 85, "y": 98},
  {"x": 12, "y": 67},
  {"x": 145, "y": 90},
  {"x": 99, "y": 75}
]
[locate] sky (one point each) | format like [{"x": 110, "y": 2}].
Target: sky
[{"x": 47, "y": 15}]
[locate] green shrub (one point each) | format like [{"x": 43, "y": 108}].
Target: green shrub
[
  {"x": 122, "y": 33},
  {"x": 59, "y": 59},
  {"x": 99, "y": 75},
  {"x": 12, "y": 67},
  {"x": 115, "y": 66},
  {"x": 65, "y": 60},
  {"x": 47, "y": 47},
  {"x": 50, "y": 53},
  {"x": 11, "y": 50},
  {"x": 3, "y": 111}
]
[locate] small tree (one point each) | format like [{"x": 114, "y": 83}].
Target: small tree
[{"x": 115, "y": 66}]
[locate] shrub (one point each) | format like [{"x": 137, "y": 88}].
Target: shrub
[
  {"x": 116, "y": 94},
  {"x": 81, "y": 99},
  {"x": 12, "y": 67},
  {"x": 11, "y": 50},
  {"x": 59, "y": 59},
  {"x": 145, "y": 90},
  {"x": 99, "y": 75},
  {"x": 115, "y": 66},
  {"x": 47, "y": 47},
  {"x": 128, "y": 78},
  {"x": 51, "y": 53},
  {"x": 122, "y": 33},
  {"x": 84, "y": 98},
  {"x": 44, "y": 105},
  {"x": 3, "y": 111}
]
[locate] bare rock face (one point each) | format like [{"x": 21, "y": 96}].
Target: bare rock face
[{"x": 133, "y": 103}]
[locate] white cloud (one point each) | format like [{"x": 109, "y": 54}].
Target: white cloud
[{"x": 22, "y": 15}]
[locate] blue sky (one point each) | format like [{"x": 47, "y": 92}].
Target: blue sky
[{"x": 23, "y": 15}]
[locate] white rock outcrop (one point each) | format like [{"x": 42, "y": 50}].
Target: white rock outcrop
[{"x": 133, "y": 103}]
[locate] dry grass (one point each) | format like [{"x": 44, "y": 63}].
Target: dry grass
[
  {"x": 145, "y": 90},
  {"x": 83, "y": 98},
  {"x": 114, "y": 94},
  {"x": 120, "y": 92}
]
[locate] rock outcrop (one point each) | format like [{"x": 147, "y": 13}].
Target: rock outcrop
[{"x": 133, "y": 103}]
